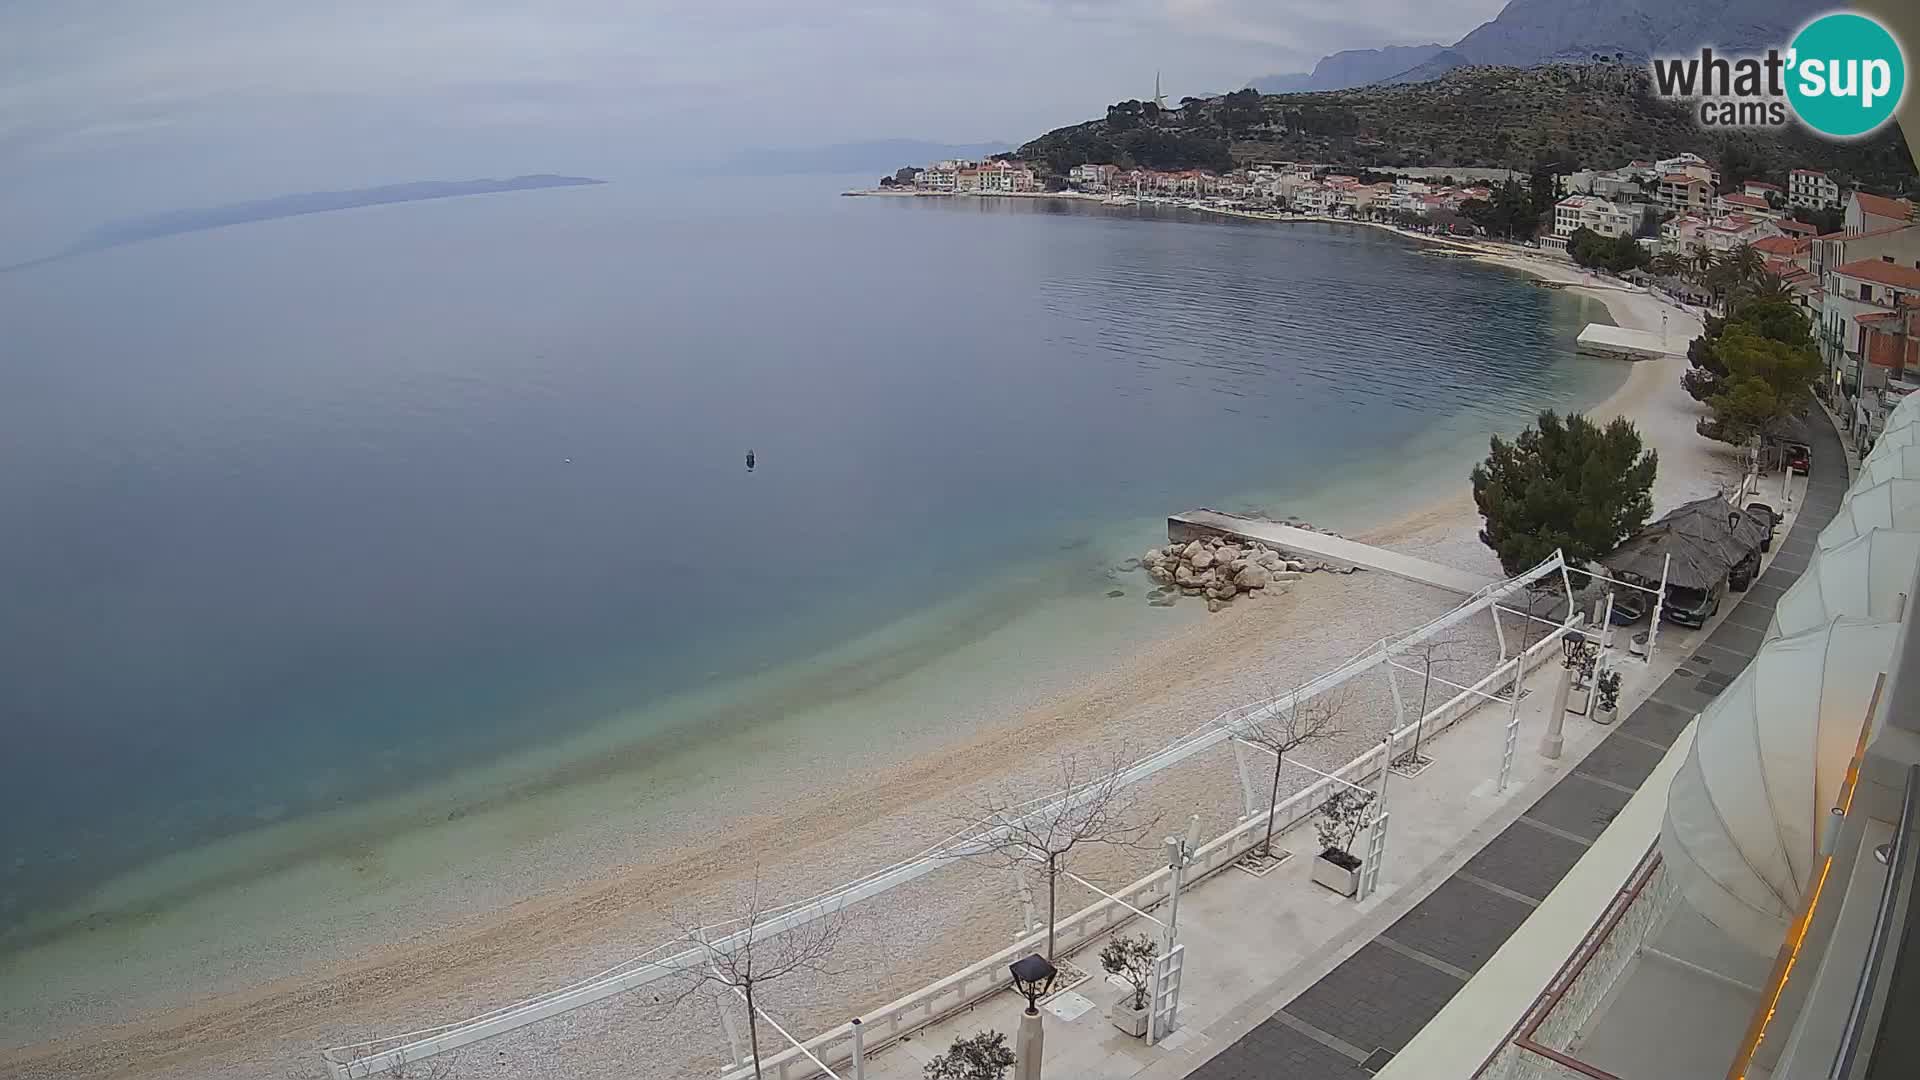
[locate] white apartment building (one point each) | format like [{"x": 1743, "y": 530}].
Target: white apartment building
[
  {"x": 1591, "y": 212},
  {"x": 1684, "y": 192},
  {"x": 1811, "y": 188},
  {"x": 1093, "y": 177}
]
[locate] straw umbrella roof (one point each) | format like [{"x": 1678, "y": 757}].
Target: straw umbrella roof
[{"x": 1705, "y": 537}]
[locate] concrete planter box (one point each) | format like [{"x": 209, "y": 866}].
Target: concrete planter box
[
  {"x": 1128, "y": 1019},
  {"x": 1336, "y": 877}
]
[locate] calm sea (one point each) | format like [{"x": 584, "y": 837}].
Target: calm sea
[{"x": 303, "y": 512}]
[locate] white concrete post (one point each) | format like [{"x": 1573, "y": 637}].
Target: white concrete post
[
  {"x": 734, "y": 1046},
  {"x": 1606, "y": 623},
  {"x": 859, "y": 1052},
  {"x": 1554, "y": 741},
  {"x": 1028, "y": 920},
  {"x": 1393, "y": 683},
  {"x": 1499, "y": 633},
  {"x": 1027, "y": 1046},
  {"x": 1659, "y": 602},
  {"x": 1246, "y": 778}
]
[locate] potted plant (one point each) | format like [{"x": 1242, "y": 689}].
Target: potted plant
[
  {"x": 981, "y": 1056},
  {"x": 1341, "y": 818},
  {"x": 1607, "y": 707},
  {"x": 1580, "y": 694},
  {"x": 1132, "y": 960}
]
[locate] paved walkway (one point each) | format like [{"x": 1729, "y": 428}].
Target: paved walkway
[
  {"x": 1350, "y": 1023},
  {"x": 1318, "y": 545}
]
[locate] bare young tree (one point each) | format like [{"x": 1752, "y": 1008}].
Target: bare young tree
[
  {"x": 439, "y": 1068},
  {"x": 1437, "y": 651},
  {"x": 746, "y": 955},
  {"x": 1091, "y": 808},
  {"x": 1280, "y": 731}
]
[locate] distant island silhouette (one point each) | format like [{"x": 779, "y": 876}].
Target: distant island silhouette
[{"x": 175, "y": 222}]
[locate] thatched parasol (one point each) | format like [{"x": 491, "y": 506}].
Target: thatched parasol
[{"x": 1705, "y": 537}]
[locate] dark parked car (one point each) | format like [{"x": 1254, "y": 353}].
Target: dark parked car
[
  {"x": 1761, "y": 512},
  {"x": 1692, "y": 607},
  {"x": 1800, "y": 457},
  {"x": 1629, "y": 606},
  {"x": 1741, "y": 576}
]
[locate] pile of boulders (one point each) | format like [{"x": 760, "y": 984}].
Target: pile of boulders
[{"x": 1219, "y": 569}]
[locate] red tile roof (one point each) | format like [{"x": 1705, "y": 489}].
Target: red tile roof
[
  {"x": 1881, "y": 206},
  {"x": 1753, "y": 202},
  {"x": 1779, "y": 245},
  {"x": 1800, "y": 228},
  {"x": 1885, "y": 273},
  {"x": 1761, "y": 184}
]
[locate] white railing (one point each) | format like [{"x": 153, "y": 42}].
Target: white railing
[
  {"x": 938, "y": 1000},
  {"x": 356, "y": 1061}
]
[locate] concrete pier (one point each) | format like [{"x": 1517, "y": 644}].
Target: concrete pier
[{"x": 1336, "y": 550}]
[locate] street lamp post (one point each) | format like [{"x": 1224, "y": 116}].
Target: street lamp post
[
  {"x": 1180, "y": 852},
  {"x": 1575, "y": 646},
  {"x": 1033, "y": 977}
]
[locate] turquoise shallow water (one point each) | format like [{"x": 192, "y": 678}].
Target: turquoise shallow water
[{"x": 320, "y": 510}]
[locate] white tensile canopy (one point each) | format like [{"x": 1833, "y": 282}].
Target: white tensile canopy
[
  {"x": 1747, "y": 809},
  {"x": 1896, "y": 463},
  {"x": 1907, "y": 434},
  {"x": 1864, "y": 577},
  {"x": 1890, "y": 504},
  {"x": 1905, "y": 413}
]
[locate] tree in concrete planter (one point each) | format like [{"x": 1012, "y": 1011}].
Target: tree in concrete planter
[
  {"x": 981, "y": 1056},
  {"x": 1091, "y": 807},
  {"x": 1131, "y": 959},
  {"x": 1567, "y": 484},
  {"x": 1282, "y": 731},
  {"x": 746, "y": 968},
  {"x": 1342, "y": 817}
]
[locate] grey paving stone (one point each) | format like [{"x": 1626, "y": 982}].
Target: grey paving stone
[
  {"x": 1275, "y": 1050},
  {"x": 1734, "y": 638},
  {"x": 1578, "y": 806},
  {"x": 1621, "y": 761},
  {"x": 1461, "y": 922},
  {"x": 1525, "y": 859},
  {"x": 1657, "y": 721},
  {"x": 1793, "y": 562},
  {"x": 1377, "y": 998}
]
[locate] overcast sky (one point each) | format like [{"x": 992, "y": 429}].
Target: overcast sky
[{"x": 99, "y": 98}]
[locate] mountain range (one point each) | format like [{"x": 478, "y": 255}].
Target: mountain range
[{"x": 1530, "y": 32}]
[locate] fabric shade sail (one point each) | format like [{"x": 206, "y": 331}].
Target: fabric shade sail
[
  {"x": 1746, "y": 811},
  {"x": 1864, "y": 577},
  {"x": 1894, "y": 439},
  {"x": 1890, "y": 504},
  {"x": 1897, "y": 463}
]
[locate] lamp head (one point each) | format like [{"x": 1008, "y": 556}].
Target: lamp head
[
  {"x": 1033, "y": 977},
  {"x": 1575, "y": 643}
]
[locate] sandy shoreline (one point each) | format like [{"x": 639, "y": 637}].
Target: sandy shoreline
[{"x": 871, "y": 812}]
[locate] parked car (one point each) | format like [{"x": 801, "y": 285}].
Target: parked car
[
  {"x": 1629, "y": 606},
  {"x": 1761, "y": 512},
  {"x": 1692, "y": 607},
  {"x": 1741, "y": 576},
  {"x": 1799, "y": 457}
]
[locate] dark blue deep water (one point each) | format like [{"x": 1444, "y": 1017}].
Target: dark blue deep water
[{"x": 298, "y": 511}]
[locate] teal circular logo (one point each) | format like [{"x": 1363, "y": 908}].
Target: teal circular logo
[{"x": 1846, "y": 75}]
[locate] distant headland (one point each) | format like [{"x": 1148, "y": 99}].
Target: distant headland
[{"x": 175, "y": 222}]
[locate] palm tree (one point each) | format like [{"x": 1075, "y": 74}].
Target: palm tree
[
  {"x": 1703, "y": 261},
  {"x": 1767, "y": 287},
  {"x": 1667, "y": 264},
  {"x": 1746, "y": 262}
]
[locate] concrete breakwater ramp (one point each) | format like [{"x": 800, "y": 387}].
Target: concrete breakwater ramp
[{"x": 1337, "y": 550}]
